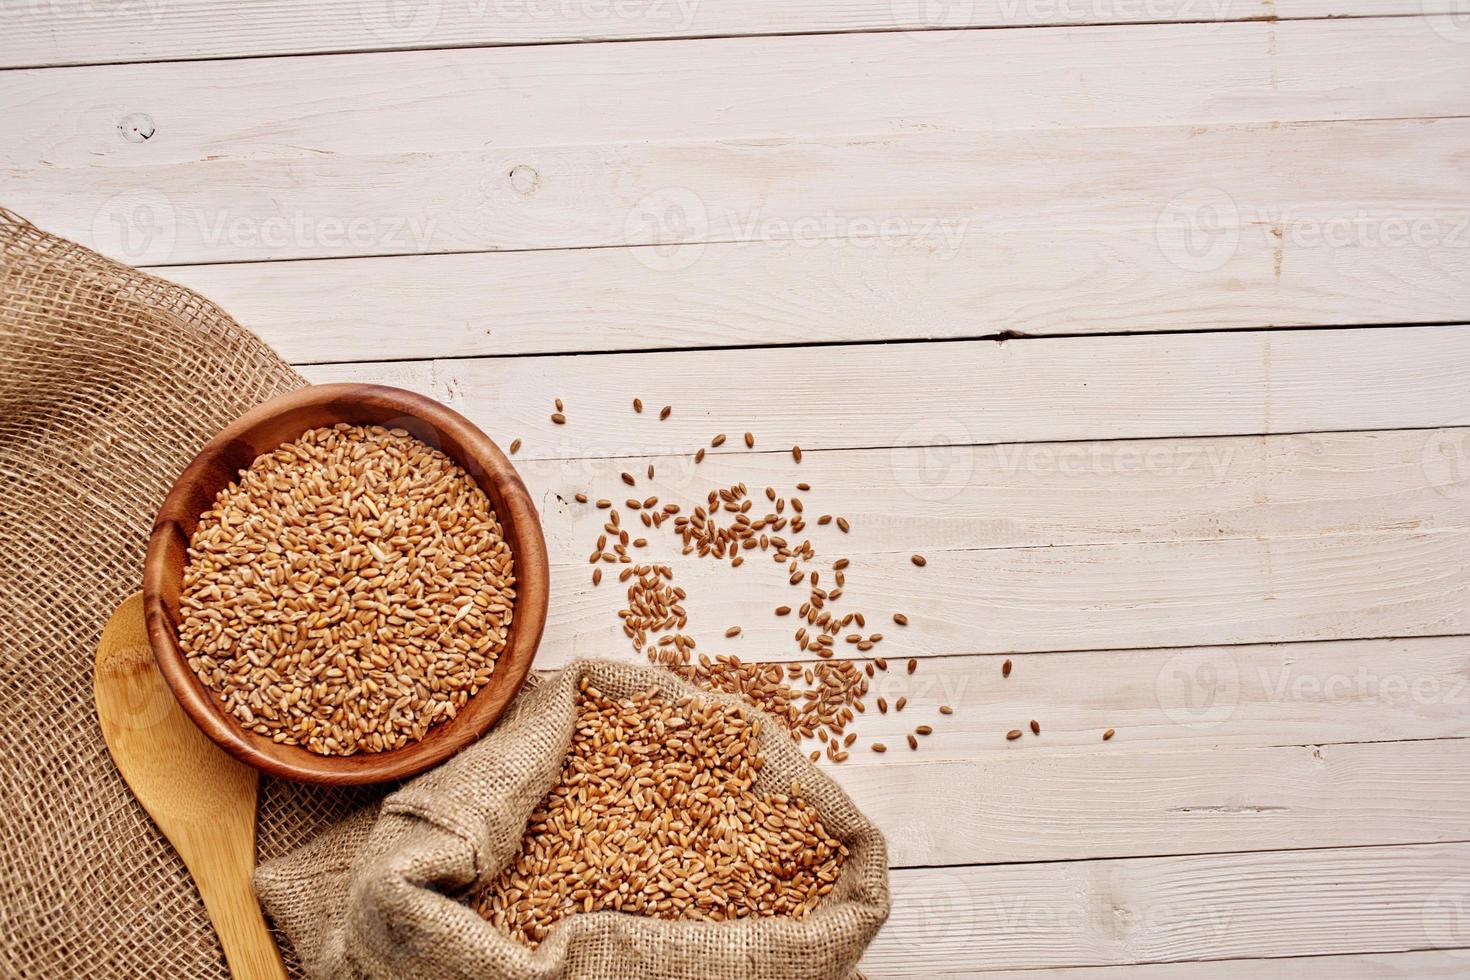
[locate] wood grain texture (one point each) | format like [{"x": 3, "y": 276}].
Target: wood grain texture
[
  {"x": 945, "y": 496},
  {"x": 56, "y": 35},
  {"x": 1024, "y": 600},
  {"x": 1170, "y": 700},
  {"x": 1303, "y": 903},
  {"x": 1438, "y": 964},
  {"x": 963, "y": 393},
  {"x": 1134, "y": 514},
  {"x": 1113, "y": 802},
  {"x": 795, "y": 87},
  {"x": 1400, "y": 180},
  {"x": 1057, "y": 281}
]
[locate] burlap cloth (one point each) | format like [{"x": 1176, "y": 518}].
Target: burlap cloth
[
  {"x": 110, "y": 379},
  {"x": 381, "y": 896}
]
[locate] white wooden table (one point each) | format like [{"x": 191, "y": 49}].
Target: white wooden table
[{"x": 1142, "y": 319}]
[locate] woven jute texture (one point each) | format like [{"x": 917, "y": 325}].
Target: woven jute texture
[
  {"x": 110, "y": 380},
  {"x": 383, "y": 894}
]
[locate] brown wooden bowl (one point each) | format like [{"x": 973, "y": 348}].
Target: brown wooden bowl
[{"x": 262, "y": 430}]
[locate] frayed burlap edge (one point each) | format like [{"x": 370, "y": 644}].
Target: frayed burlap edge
[
  {"x": 384, "y": 894},
  {"x": 110, "y": 380}
]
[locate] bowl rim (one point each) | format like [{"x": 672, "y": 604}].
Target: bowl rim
[{"x": 514, "y": 507}]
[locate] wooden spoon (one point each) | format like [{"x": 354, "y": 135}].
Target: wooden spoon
[{"x": 201, "y": 798}]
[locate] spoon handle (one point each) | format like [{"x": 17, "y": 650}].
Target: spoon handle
[
  {"x": 203, "y": 800},
  {"x": 235, "y": 911}
]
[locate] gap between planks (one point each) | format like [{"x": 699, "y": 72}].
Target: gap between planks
[
  {"x": 956, "y": 393},
  {"x": 795, "y": 88},
  {"x": 1280, "y": 695},
  {"x": 949, "y": 495},
  {"x": 526, "y": 198},
  {"x": 1034, "y": 807},
  {"x": 1123, "y": 911},
  {"x": 836, "y": 291},
  {"x": 1436, "y": 964},
  {"x": 190, "y": 30}
]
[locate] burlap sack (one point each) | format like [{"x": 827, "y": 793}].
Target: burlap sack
[
  {"x": 383, "y": 895},
  {"x": 110, "y": 380}
]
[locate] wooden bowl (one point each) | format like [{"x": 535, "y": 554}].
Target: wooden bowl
[{"x": 262, "y": 430}]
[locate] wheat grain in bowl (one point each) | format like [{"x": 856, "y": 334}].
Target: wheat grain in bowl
[{"x": 348, "y": 592}]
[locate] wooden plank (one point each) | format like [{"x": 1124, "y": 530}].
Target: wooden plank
[
  {"x": 1175, "y": 700},
  {"x": 958, "y": 393},
  {"x": 1048, "y": 282},
  {"x": 1068, "y": 598},
  {"x": 702, "y": 90},
  {"x": 1179, "y": 182},
  {"x": 1109, "y": 802},
  {"x": 56, "y": 34},
  {"x": 1062, "y": 914},
  {"x": 1441, "y": 964},
  {"x": 943, "y": 495}
]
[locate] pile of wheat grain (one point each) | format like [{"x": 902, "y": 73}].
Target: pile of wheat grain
[
  {"x": 657, "y": 813},
  {"x": 351, "y": 590}
]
